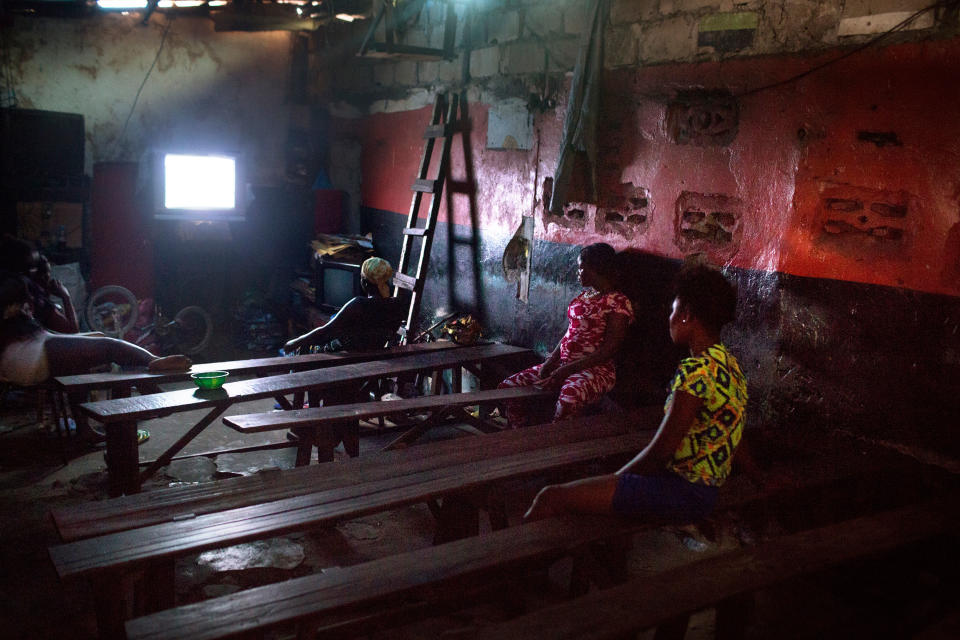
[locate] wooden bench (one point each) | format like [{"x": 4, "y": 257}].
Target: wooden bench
[
  {"x": 177, "y": 503},
  {"x": 670, "y": 597},
  {"x": 328, "y": 426},
  {"x": 355, "y": 488},
  {"x": 120, "y": 415},
  {"x": 71, "y": 390},
  {"x": 351, "y": 596}
]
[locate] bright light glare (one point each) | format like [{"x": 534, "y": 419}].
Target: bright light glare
[
  {"x": 346, "y": 17},
  {"x": 122, "y": 4},
  {"x": 216, "y": 3},
  {"x": 199, "y": 182}
]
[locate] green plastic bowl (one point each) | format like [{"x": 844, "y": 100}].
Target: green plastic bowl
[{"x": 210, "y": 379}]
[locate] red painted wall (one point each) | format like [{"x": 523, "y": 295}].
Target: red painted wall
[{"x": 813, "y": 198}]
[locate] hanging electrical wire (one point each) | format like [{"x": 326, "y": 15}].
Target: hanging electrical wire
[{"x": 136, "y": 98}]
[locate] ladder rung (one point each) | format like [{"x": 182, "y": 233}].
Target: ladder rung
[
  {"x": 415, "y": 231},
  {"x": 437, "y": 131},
  {"x": 424, "y": 186},
  {"x": 404, "y": 281}
]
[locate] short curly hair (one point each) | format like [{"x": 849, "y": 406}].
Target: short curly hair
[
  {"x": 602, "y": 258},
  {"x": 707, "y": 294}
]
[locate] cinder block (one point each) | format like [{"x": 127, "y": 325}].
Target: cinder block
[
  {"x": 544, "y": 20},
  {"x": 574, "y": 18},
  {"x": 416, "y": 38},
  {"x": 485, "y": 62},
  {"x": 523, "y": 57},
  {"x": 503, "y": 26},
  {"x": 563, "y": 53},
  {"x": 427, "y": 72},
  {"x": 405, "y": 73},
  {"x": 625, "y": 11},
  {"x": 435, "y": 39},
  {"x": 620, "y": 48},
  {"x": 671, "y": 39},
  {"x": 668, "y": 7},
  {"x": 383, "y": 74},
  {"x": 436, "y": 11},
  {"x": 450, "y": 71}
]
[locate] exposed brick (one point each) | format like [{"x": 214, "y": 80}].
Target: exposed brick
[
  {"x": 503, "y": 26},
  {"x": 485, "y": 62},
  {"x": 668, "y": 7},
  {"x": 544, "y": 20},
  {"x": 620, "y": 47},
  {"x": 523, "y": 57},
  {"x": 383, "y": 74},
  {"x": 405, "y": 73},
  {"x": 670, "y": 39},
  {"x": 623, "y": 11},
  {"x": 427, "y": 72}
]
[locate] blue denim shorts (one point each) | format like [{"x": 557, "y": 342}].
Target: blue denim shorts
[{"x": 666, "y": 498}]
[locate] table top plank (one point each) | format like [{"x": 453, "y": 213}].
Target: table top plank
[
  {"x": 325, "y": 507},
  {"x": 165, "y": 505},
  {"x": 156, "y": 404},
  {"x": 271, "y": 421},
  {"x": 253, "y": 366}
]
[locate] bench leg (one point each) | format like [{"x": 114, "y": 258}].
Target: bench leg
[
  {"x": 123, "y": 458},
  {"x": 457, "y": 518},
  {"x": 111, "y": 603},
  {"x": 159, "y": 588},
  {"x": 673, "y": 629},
  {"x": 733, "y": 616}
]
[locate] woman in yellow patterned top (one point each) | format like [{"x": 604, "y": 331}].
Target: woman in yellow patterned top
[{"x": 676, "y": 477}]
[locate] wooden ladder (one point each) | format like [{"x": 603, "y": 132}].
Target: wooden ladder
[{"x": 443, "y": 125}]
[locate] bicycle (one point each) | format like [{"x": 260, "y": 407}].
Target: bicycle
[{"x": 113, "y": 310}]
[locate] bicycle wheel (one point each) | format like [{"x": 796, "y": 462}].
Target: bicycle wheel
[
  {"x": 194, "y": 330},
  {"x": 112, "y": 310}
]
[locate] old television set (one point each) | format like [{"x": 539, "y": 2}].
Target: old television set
[{"x": 197, "y": 186}]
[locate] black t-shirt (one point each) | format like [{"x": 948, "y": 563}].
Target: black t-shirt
[{"x": 368, "y": 323}]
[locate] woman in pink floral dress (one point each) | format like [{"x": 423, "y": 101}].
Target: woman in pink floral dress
[{"x": 581, "y": 367}]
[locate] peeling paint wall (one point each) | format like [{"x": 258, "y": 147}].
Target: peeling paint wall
[
  {"x": 832, "y": 199},
  {"x": 208, "y": 90}
]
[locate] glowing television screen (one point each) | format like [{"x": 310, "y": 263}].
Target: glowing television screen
[{"x": 197, "y": 187}]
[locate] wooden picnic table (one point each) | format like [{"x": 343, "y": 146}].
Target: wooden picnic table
[
  {"x": 120, "y": 384},
  {"x": 121, "y": 415},
  {"x": 341, "y": 491}
]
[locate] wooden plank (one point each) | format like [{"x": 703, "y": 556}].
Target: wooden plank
[
  {"x": 437, "y": 131},
  {"x": 274, "y": 420},
  {"x": 404, "y": 281},
  {"x": 424, "y": 185},
  {"x": 128, "y": 549},
  {"x": 416, "y": 231},
  {"x": 644, "y": 603},
  {"x": 411, "y": 575},
  {"x": 255, "y": 366},
  {"x": 155, "y": 405},
  {"x": 127, "y": 512}
]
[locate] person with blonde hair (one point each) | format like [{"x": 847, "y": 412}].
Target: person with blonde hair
[{"x": 366, "y": 322}]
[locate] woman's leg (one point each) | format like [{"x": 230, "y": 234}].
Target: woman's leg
[
  {"x": 73, "y": 354},
  {"x": 590, "y": 495},
  {"x": 583, "y": 389},
  {"x": 518, "y": 413}
]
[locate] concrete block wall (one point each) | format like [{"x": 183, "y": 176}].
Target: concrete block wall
[{"x": 505, "y": 41}]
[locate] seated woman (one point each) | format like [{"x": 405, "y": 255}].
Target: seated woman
[
  {"x": 31, "y": 354},
  {"x": 581, "y": 366},
  {"x": 675, "y": 478},
  {"x": 20, "y": 257},
  {"x": 366, "y": 322}
]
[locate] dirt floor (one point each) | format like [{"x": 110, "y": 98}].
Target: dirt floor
[{"x": 900, "y": 595}]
